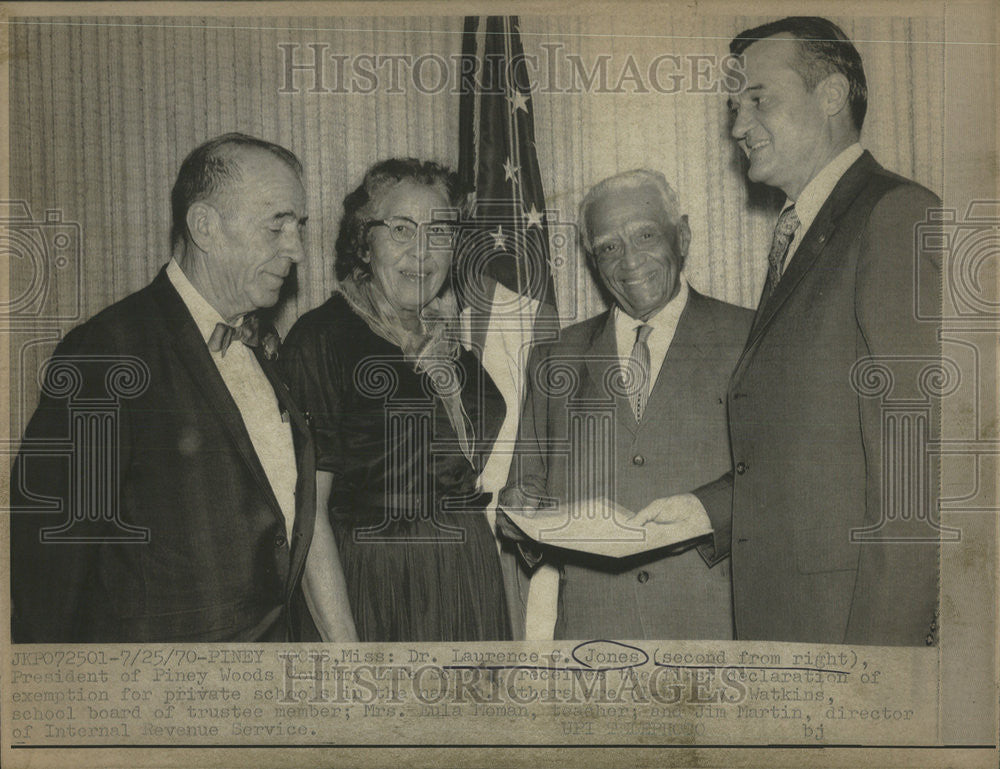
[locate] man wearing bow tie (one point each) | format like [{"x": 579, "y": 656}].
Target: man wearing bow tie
[
  {"x": 828, "y": 511},
  {"x": 199, "y": 530}
]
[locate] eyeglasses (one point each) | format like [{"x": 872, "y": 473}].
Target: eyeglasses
[{"x": 402, "y": 229}]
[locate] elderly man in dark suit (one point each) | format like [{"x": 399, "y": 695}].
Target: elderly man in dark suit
[
  {"x": 665, "y": 426},
  {"x": 830, "y": 532},
  {"x": 181, "y": 518}
]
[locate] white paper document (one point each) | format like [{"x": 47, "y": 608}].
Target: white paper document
[{"x": 601, "y": 527}]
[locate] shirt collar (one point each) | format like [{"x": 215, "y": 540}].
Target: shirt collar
[
  {"x": 814, "y": 195},
  {"x": 205, "y": 316},
  {"x": 665, "y": 318}
]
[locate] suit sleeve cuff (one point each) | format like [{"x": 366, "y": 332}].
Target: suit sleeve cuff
[
  {"x": 717, "y": 501},
  {"x": 532, "y": 555}
]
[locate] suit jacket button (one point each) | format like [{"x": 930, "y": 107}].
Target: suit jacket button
[
  {"x": 741, "y": 467},
  {"x": 279, "y": 541},
  {"x": 638, "y": 460},
  {"x": 643, "y": 577}
]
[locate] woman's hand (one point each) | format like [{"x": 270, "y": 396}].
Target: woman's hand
[{"x": 323, "y": 582}]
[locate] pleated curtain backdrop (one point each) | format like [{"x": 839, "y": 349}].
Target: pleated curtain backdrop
[{"x": 103, "y": 111}]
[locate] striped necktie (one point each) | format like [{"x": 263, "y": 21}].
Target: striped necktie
[
  {"x": 784, "y": 233},
  {"x": 639, "y": 371}
]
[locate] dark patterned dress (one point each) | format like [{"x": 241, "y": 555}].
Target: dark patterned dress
[{"x": 416, "y": 549}]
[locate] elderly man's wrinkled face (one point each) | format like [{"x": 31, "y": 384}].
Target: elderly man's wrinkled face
[
  {"x": 639, "y": 253},
  {"x": 261, "y": 217}
]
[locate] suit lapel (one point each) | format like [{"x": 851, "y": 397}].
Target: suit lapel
[
  {"x": 194, "y": 356},
  {"x": 813, "y": 243},
  {"x": 685, "y": 347},
  {"x": 603, "y": 364}
]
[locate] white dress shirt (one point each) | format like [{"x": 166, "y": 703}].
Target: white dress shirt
[
  {"x": 663, "y": 323},
  {"x": 258, "y": 405},
  {"x": 812, "y": 198}
]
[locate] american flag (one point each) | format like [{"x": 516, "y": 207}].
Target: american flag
[
  {"x": 503, "y": 275},
  {"x": 503, "y": 279}
]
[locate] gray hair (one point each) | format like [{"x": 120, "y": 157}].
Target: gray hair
[
  {"x": 209, "y": 168},
  {"x": 628, "y": 180}
]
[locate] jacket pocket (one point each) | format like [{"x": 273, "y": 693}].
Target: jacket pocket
[{"x": 826, "y": 548}]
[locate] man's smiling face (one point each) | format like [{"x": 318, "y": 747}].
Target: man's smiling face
[
  {"x": 780, "y": 125},
  {"x": 639, "y": 253}
]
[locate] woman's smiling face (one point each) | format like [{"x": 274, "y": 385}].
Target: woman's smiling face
[{"x": 410, "y": 273}]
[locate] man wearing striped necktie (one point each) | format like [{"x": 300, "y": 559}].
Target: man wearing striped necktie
[
  {"x": 828, "y": 510},
  {"x": 650, "y": 375}
]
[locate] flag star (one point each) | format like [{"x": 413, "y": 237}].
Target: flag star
[
  {"x": 518, "y": 101},
  {"x": 498, "y": 238},
  {"x": 510, "y": 170},
  {"x": 534, "y": 217}
]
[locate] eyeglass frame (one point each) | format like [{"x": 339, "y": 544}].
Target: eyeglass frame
[{"x": 418, "y": 226}]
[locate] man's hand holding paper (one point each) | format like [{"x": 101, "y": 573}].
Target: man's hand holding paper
[{"x": 602, "y": 527}]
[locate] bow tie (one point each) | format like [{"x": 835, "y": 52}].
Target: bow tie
[{"x": 247, "y": 332}]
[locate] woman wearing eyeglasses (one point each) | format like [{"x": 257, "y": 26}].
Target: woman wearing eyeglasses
[{"x": 404, "y": 418}]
